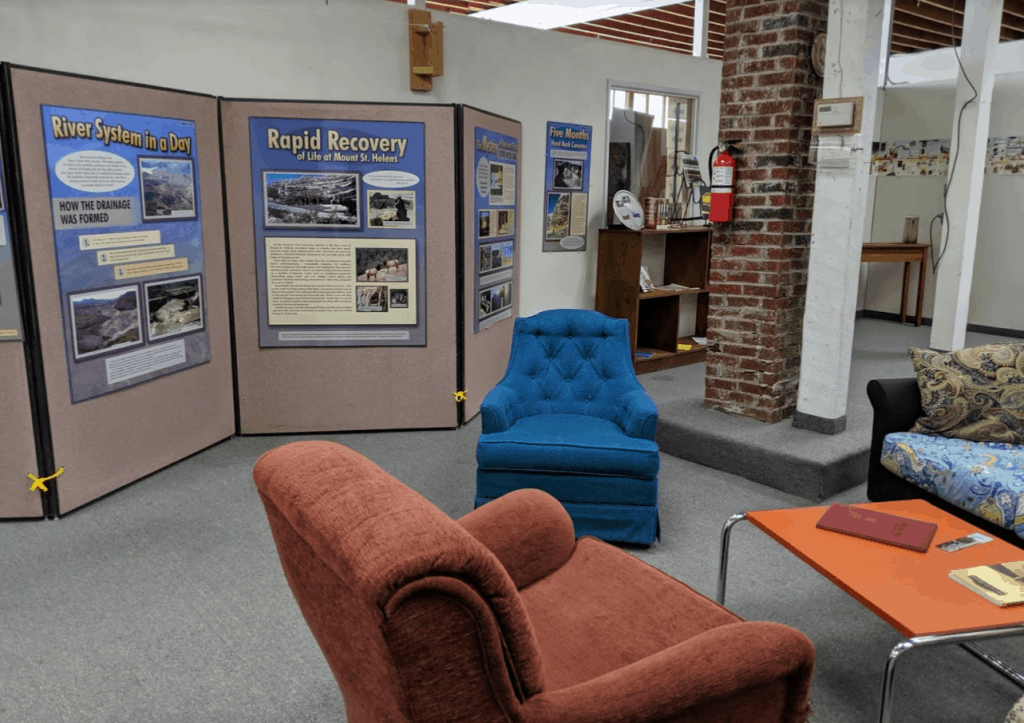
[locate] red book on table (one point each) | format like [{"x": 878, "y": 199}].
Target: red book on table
[{"x": 879, "y": 526}]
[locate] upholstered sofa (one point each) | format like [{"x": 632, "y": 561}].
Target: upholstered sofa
[
  {"x": 982, "y": 482},
  {"x": 503, "y": 615}
]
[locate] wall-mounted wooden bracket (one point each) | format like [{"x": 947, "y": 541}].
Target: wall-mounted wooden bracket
[{"x": 426, "y": 50}]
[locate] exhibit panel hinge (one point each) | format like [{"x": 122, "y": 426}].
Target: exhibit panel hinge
[
  {"x": 38, "y": 483},
  {"x": 460, "y": 396},
  {"x": 426, "y": 50}
]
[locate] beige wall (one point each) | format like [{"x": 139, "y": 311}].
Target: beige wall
[
  {"x": 997, "y": 282},
  {"x": 352, "y": 50}
]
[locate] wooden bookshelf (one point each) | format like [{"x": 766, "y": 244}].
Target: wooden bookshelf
[{"x": 654, "y": 315}]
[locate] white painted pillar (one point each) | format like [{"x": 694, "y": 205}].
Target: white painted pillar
[
  {"x": 701, "y": 21},
  {"x": 852, "y": 59},
  {"x": 982, "y": 20}
]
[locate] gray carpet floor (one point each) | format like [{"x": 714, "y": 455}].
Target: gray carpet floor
[
  {"x": 165, "y": 601},
  {"x": 810, "y": 465}
]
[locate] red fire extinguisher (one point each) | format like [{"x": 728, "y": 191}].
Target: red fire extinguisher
[{"x": 723, "y": 181}]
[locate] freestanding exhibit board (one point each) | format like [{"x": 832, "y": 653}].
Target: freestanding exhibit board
[
  {"x": 16, "y": 427},
  {"x": 491, "y": 155},
  {"x": 343, "y": 260},
  {"x": 120, "y": 233}
]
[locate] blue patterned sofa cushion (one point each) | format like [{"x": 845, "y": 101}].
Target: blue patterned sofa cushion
[{"x": 985, "y": 478}]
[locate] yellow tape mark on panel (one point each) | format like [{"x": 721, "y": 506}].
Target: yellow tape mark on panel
[
  {"x": 460, "y": 396},
  {"x": 37, "y": 483}
]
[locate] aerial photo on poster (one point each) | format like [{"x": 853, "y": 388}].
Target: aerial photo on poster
[
  {"x": 300, "y": 200},
  {"x": 168, "y": 188},
  {"x": 339, "y": 231},
  {"x": 128, "y": 233}
]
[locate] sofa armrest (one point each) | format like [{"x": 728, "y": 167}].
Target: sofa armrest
[
  {"x": 529, "y": 532},
  {"x": 641, "y": 415},
  {"x": 897, "y": 405},
  {"x": 712, "y": 667},
  {"x": 497, "y": 410}
]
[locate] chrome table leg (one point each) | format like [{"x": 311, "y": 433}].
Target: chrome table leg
[{"x": 723, "y": 560}]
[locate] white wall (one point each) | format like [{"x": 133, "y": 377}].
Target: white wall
[
  {"x": 358, "y": 51},
  {"x": 997, "y": 281}
]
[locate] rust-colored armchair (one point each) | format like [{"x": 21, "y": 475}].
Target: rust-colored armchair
[{"x": 502, "y": 615}]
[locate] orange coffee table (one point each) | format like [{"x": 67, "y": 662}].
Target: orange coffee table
[{"x": 912, "y": 591}]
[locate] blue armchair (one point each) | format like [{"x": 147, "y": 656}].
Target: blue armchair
[{"x": 570, "y": 418}]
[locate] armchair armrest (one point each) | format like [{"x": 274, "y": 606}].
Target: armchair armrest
[
  {"x": 711, "y": 667},
  {"x": 496, "y": 411},
  {"x": 641, "y": 416},
  {"x": 897, "y": 405},
  {"x": 529, "y": 532}
]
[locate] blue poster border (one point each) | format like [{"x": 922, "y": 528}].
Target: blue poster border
[
  {"x": 411, "y": 161},
  {"x": 85, "y": 374},
  {"x": 568, "y": 149}
]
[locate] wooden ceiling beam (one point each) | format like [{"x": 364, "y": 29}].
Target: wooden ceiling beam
[
  {"x": 608, "y": 27},
  {"x": 632, "y": 34},
  {"x": 681, "y": 48},
  {"x": 1012, "y": 22},
  {"x": 680, "y": 18},
  {"x": 635, "y": 24},
  {"x": 949, "y": 7},
  {"x": 1014, "y": 8},
  {"x": 902, "y": 17},
  {"x": 913, "y": 30},
  {"x": 898, "y": 49},
  {"x": 913, "y": 41},
  {"x": 929, "y": 12}
]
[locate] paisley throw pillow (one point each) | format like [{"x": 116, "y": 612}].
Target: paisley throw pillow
[{"x": 974, "y": 394}]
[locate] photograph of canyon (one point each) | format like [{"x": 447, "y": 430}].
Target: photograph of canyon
[
  {"x": 104, "y": 321},
  {"x": 175, "y": 307}
]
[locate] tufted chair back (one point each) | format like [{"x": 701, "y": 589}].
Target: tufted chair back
[
  {"x": 418, "y": 620},
  {"x": 571, "y": 361}
]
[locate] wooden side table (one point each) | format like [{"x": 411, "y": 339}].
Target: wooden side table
[{"x": 906, "y": 253}]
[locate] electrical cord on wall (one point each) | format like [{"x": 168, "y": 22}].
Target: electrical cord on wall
[
  {"x": 952, "y": 166},
  {"x": 931, "y": 226}
]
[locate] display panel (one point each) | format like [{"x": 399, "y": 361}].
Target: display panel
[
  {"x": 567, "y": 186},
  {"x": 124, "y": 193},
  {"x": 495, "y": 205},
  {"x": 340, "y": 230},
  {"x": 10, "y": 313}
]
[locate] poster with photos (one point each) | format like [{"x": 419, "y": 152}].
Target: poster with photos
[
  {"x": 910, "y": 158},
  {"x": 124, "y": 193},
  {"x": 1005, "y": 156},
  {"x": 10, "y": 312},
  {"x": 496, "y": 161},
  {"x": 339, "y": 232},
  {"x": 567, "y": 186}
]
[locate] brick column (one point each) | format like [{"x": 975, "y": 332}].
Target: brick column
[{"x": 758, "y": 279}]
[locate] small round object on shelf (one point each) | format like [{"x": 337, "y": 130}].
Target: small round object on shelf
[{"x": 628, "y": 210}]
